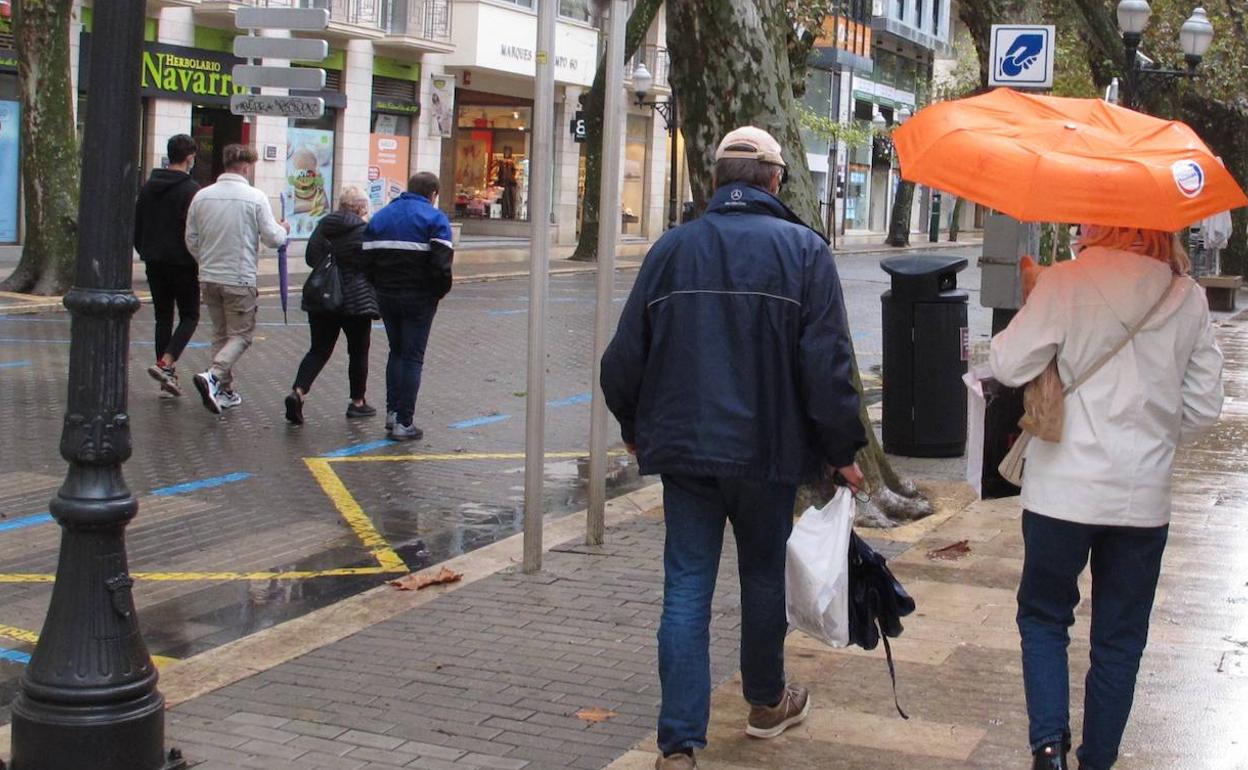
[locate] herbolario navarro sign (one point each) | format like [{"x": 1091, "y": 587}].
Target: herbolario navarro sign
[
  {"x": 176, "y": 72},
  {"x": 187, "y": 73}
]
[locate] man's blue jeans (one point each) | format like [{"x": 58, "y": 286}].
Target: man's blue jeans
[
  {"x": 408, "y": 317},
  {"x": 695, "y": 510},
  {"x": 1126, "y": 562}
]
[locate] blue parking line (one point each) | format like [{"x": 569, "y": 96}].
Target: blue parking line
[
  {"x": 579, "y": 398},
  {"x": 25, "y": 521},
  {"x": 194, "y": 486},
  {"x": 355, "y": 449},
  {"x": 477, "y": 422},
  {"x": 14, "y": 364},
  {"x": 56, "y": 341},
  {"x": 14, "y": 656}
]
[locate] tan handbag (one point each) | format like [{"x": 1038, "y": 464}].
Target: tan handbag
[{"x": 1044, "y": 400}]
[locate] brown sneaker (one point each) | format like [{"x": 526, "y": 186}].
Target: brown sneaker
[
  {"x": 770, "y": 721},
  {"x": 676, "y": 762}
]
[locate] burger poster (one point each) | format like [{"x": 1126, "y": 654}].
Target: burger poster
[{"x": 309, "y": 178}]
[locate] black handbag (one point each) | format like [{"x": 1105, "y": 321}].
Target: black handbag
[
  {"x": 322, "y": 292},
  {"x": 877, "y": 603}
]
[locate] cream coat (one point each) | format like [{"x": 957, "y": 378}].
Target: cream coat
[
  {"x": 224, "y": 228},
  {"x": 1114, "y": 463}
]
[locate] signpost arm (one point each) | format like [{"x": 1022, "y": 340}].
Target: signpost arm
[
  {"x": 541, "y": 165},
  {"x": 608, "y": 238}
]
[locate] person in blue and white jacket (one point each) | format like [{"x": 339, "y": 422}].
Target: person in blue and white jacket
[{"x": 409, "y": 246}]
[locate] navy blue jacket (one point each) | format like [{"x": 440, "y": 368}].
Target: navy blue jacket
[
  {"x": 732, "y": 357},
  {"x": 409, "y": 246}
]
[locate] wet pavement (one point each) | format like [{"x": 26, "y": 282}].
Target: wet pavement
[{"x": 246, "y": 522}]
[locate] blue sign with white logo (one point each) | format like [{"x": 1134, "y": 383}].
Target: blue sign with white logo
[{"x": 1022, "y": 55}]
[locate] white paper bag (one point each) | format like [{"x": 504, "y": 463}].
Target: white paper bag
[{"x": 816, "y": 575}]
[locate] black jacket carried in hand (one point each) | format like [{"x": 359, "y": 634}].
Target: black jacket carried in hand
[
  {"x": 732, "y": 357},
  {"x": 160, "y": 218},
  {"x": 342, "y": 234}
]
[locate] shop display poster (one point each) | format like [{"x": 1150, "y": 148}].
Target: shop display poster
[
  {"x": 309, "y": 178},
  {"x": 10, "y": 167},
  {"x": 388, "y": 158},
  {"x": 442, "y": 103}
]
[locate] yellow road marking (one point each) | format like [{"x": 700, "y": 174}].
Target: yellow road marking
[
  {"x": 30, "y": 637},
  {"x": 453, "y": 457},
  {"x": 355, "y": 517},
  {"x": 388, "y": 560},
  {"x": 20, "y": 634}
]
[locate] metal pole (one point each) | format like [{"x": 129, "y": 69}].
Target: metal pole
[
  {"x": 541, "y": 174},
  {"x": 89, "y": 697},
  {"x": 674, "y": 117},
  {"x": 608, "y": 238}
]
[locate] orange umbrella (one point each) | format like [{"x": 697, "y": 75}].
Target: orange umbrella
[{"x": 1050, "y": 159}]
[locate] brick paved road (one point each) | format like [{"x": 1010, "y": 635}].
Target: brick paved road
[{"x": 234, "y": 495}]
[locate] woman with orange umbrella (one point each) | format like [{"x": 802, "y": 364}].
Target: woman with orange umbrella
[{"x": 1134, "y": 346}]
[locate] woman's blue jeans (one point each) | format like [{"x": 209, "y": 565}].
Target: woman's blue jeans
[
  {"x": 695, "y": 510},
  {"x": 1126, "y": 562}
]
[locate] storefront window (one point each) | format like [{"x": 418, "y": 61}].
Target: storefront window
[
  {"x": 491, "y": 159},
  {"x": 309, "y": 173},
  {"x": 636, "y": 156},
  {"x": 574, "y": 9}
]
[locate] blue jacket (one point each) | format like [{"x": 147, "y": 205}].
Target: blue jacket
[
  {"x": 733, "y": 357},
  {"x": 409, "y": 245}
]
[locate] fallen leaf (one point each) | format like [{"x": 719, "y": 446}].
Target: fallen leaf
[
  {"x": 952, "y": 552},
  {"x": 426, "y": 579},
  {"x": 594, "y": 715}
]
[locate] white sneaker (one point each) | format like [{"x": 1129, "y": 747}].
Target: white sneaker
[
  {"x": 391, "y": 419},
  {"x": 403, "y": 432},
  {"x": 229, "y": 399},
  {"x": 209, "y": 390}
]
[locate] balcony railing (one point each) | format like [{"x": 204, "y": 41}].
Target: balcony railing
[
  {"x": 364, "y": 13},
  {"x": 424, "y": 19},
  {"x": 657, "y": 61}
]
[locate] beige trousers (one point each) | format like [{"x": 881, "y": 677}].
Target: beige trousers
[{"x": 233, "y": 313}]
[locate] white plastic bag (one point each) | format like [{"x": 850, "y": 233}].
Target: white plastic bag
[{"x": 816, "y": 575}]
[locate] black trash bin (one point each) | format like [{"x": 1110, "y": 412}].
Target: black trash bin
[{"x": 926, "y": 349}]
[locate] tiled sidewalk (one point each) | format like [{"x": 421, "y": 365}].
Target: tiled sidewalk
[{"x": 487, "y": 676}]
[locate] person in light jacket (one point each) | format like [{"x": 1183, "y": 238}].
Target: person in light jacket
[
  {"x": 224, "y": 228},
  {"x": 340, "y": 234},
  {"x": 1103, "y": 492}
]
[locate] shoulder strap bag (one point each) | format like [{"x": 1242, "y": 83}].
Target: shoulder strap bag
[
  {"x": 322, "y": 292},
  {"x": 1011, "y": 468}
]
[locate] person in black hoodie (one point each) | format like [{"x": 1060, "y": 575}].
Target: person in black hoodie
[
  {"x": 172, "y": 273},
  {"x": 340, "y": 234}
]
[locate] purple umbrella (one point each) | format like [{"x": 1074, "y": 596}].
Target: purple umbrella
[{"x": 283, "y": 276}]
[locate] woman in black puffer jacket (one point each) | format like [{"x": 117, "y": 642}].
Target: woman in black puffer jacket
[{"x": 340, "y": 233}]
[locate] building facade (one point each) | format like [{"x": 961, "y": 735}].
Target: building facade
[
  {"x": 872, "y": 65},
  {"x": 411, "y": 85}
]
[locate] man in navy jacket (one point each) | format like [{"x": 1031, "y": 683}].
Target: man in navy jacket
[
  {"x": 731, "y": 376},
  {"x": 408, "y": 244}
]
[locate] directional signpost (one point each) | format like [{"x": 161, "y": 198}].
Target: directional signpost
[{"x": 252, "y": 47}]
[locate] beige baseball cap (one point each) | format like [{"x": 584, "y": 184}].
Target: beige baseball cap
[{"x": 752, "y": 143}]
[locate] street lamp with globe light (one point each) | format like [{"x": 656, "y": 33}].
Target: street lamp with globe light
[
  {"x": 643, "y": 83},
  {"x": 1195, "y": 37}
]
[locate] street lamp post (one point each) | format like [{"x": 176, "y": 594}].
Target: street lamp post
[
  {"x": 643, "y": 81},
  {"x": 88, "y": 698},
  {"x": 1142, "y": 75}
]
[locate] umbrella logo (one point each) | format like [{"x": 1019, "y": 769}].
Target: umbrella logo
[
  {"x": 1189, "y": 177},
  {"x": 1023, "y": 54}
]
